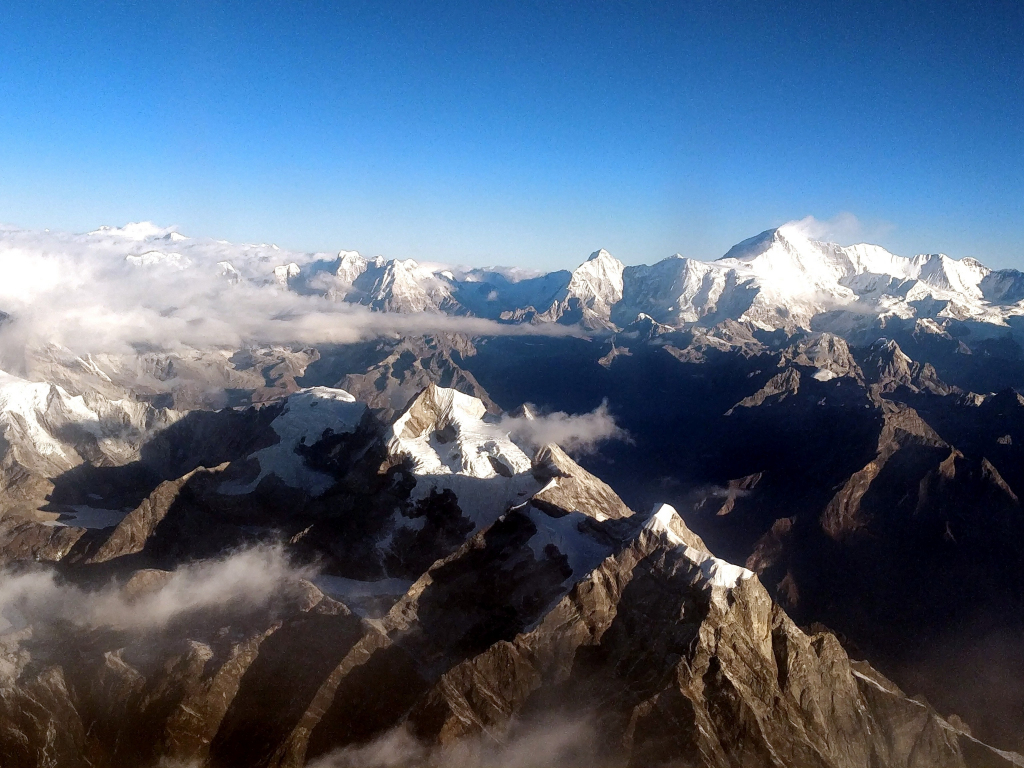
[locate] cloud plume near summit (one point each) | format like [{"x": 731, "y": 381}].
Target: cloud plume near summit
[
  {"x": 576, "y": 433},
  {"x": 844, "y": 227},
  {"x": 114, "y": 290}
]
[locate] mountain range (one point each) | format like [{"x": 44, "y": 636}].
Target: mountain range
[
  {"x": 764, "y": 510},
  {"x": 778, "y": 279}
]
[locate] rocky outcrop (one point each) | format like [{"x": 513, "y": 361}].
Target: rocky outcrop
[
  {"x": 406, "y": 368},
  {"x": 134, "y": 532},
  {"x": 887, "y": 367},
  {"x": 673, "y": 657},
  {"x": 902, "y": 428},
  {"x": 569, "y": 487},
  {"x": 778, "y": 388},
  {"x": 826, "y": 352}
]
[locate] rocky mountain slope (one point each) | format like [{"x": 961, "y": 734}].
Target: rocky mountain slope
[
  {"x": 856, "y": 480},
  {"x": 482, "y": 594}
]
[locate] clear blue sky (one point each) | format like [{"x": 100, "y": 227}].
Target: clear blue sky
[{"x": 527, "y": 133}]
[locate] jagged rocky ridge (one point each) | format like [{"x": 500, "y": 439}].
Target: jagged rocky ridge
[
  {"x": 558, "y": 603},
  {"x": 828, "y": 480},
  {"x": 869, "y": 491}
]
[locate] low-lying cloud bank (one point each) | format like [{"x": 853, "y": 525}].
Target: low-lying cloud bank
[
  {"x": 577, "y": 433},
  {"x": 555, "y": 742},
  {"x": 116, "y": 289},
  {"x": 248, "y": 579}
]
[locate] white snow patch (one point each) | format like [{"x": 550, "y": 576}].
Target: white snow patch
[
  {"x": 471, "y": 445},
  {"x": 341, "y": 588},
  {"x": 89, "y": 517},
  {"x": 286, "y": 272},
  {"x": 367, "y": 599},
  {"x": 35, "y": 417},
  {"x": 823, "y": 374},
  {"x": 569, "y": 536},
  {"x": 307, "y": 415}
]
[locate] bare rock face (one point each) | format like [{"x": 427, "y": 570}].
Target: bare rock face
[
  {"x": 402, "y": 370},
  {"x": 888, "y": 367},
  {"x": 132, "y": 534},
  {"x": 903, "y": 429},
  {"x": 676, "y": 658},
  {"x": 828, "y": 353},
  {"x": 571, "y": 488},
  {"x": 778, "y": 388},
  {"x": 654, "y": 650},
  {"x": 186, "y": 693}
]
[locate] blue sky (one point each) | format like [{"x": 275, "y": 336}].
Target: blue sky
[{"x": 525, "y": 133}]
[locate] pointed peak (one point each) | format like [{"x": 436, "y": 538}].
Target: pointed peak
[
  {"x": 600, "y": 254},
  {"x": 523, "y": 412},
  {"x": 753, "y": 246},
  {"x": 646, "y": 324},
  {"x": 435, "y": 407},
  {"x": 888, "y": 345},
  {"x": 664, "y": 519}
]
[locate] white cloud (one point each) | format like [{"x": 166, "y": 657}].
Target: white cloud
[
  {"x": 578, "y": 433},
  {"x": 247, "y": 579},
  {"x": 844, "y": 228}
]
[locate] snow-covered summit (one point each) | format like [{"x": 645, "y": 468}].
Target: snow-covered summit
[
  {"x": 792, "y": 278},
  {"x": 308, "y": 415},
  {"x": 453, "y": 445},
  {"x": 781, "y": 278},
  {"x": 445, "y": 432},
  {"x": 665, "y": 521},
  {"x": 593, "y": 289}
]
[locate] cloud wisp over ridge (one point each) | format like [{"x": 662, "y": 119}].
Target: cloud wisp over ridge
[
  {"x": 248, "y": 579},
  {"x": 576, "y": 433}
]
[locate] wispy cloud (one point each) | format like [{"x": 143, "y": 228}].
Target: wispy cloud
[
  {"x": 247, "y": 579},
  {"x": 576, "y": 433},
  {"x": 555, "y": 742},
  {"x": 843, "y": 228}
]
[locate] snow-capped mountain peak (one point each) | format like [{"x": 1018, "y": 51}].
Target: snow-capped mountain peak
[
  {"x": 593, "y": 289},
  {"x": 598, "y": 281},
  {"x": 780, "y": 278}
]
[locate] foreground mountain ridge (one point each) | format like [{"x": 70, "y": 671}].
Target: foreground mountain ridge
[
  {"x": 560, "y": 606},
  {"x": 841, "y": 423}
]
